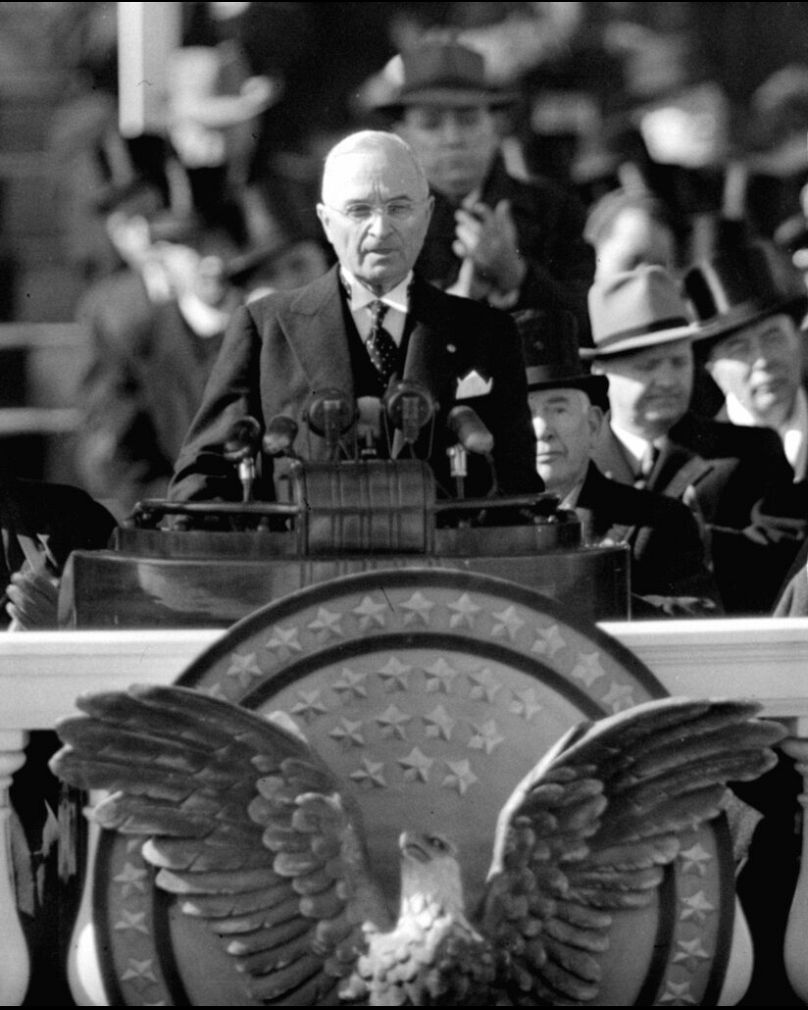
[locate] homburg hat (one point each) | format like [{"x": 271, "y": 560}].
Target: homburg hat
[
  {"x": 636, "y": 309},
  {"x": 444, "y": 73},
  {"x": 742, "y": 286}
]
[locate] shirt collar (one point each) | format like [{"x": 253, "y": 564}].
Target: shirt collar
[
  {"x": 360, "y": 297},
  {"x": 635, "y": 445}
]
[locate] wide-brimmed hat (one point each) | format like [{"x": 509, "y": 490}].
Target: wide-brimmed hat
[
  {"x": 636, "y": 309},
  {"x": 444, "y": 73},
  {"x": 553, "y": 360},
  {"x": 742, "y": 286}
]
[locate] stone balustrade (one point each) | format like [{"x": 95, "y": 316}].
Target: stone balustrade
[{"x": 42, "y": 673}]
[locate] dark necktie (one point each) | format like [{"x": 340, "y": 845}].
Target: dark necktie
[{"x": 381, "y": 346}]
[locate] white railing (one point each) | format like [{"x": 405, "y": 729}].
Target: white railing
[{"x": 42, "y": 673}]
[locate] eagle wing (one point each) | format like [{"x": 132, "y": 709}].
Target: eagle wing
[
  {"x": 246, "y": 825},
  {"x": 591, "y": 829}
]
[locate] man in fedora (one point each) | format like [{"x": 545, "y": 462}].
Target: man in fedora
[
  {"x": 517, "y": 244},
  {"x": 567, "y": 405},
  {"x": 750, "y": 303},
  {"x": 734, "y": 478}
]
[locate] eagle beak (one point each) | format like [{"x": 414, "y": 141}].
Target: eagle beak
[{"x": 412, "y": 846}]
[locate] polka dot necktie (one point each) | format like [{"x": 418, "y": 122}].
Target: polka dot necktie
[{"x": 381, "y": 347}]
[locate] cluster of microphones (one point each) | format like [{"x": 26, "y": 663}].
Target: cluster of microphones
[{"x": 400, "y": 424}]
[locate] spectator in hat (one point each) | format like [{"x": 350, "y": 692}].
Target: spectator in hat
[
  {"x": 517, "y": 244},
  {"x": 750, "y": 303},
  {"x": 732, "y": 477},
  {"x": 567, "y": 405}
]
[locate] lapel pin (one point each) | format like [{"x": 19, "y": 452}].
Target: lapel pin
[{"x": 451, "y": 348}]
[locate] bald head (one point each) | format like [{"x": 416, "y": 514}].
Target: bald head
[
  {"x": 370, "y": 144},
  {"x": 375, "y": 207}
]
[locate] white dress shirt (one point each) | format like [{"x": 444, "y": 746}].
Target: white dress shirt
[{"x": 793, "y": 432}]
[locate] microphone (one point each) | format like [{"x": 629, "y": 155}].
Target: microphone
[
  {"x": 330, "y": 414},
  {"x": 409, "y": 407},
  {"x": 240, "y": 447},
  {"x": 279, "y": 438},
  {"x": 368, "y": 425},
  {"x": 465, "y": 424}
]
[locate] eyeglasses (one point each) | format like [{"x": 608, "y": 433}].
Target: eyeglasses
[{"x": 396, "y": 210}]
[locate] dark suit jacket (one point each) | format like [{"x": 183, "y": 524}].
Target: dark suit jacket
[
  {"x": 742, "y": 467},
  {"x": 549, "y": 223},
  {"x": 667, "y": 551},
  {"x": 280, "y": 348}
]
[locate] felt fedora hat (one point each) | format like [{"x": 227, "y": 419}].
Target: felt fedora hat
[
  {"x": 552, "y": 357},
  {"x": 636, "y": 309},
  {"x": 742, "y": 286},
  {"x": 444, "y": 73}
]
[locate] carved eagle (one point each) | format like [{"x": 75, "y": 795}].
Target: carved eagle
[{"x": 256, "y": 835}]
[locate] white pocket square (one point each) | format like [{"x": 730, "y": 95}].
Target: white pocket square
[{"x": 472, "y": 384}]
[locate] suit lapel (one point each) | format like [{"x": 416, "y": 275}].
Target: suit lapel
[
  {"x": 611, "y": 458},
  {"x": 315, "y": 326}
]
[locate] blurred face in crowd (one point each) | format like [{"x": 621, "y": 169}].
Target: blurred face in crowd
[
  {"x": 455, "y": 145},
  {"x": 566, "y": 425},
  {"x": 649, "y": 389},
  {"x": 761, "y": 366},
  {"x": 635, "y": 237},
  {"x": 375, "y": 210}
]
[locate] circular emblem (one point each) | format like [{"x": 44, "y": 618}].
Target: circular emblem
[{"x": 433, "y": 692}]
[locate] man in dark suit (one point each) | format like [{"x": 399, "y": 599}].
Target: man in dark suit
[
  {"x": 366, "y": 323},
  {"x": 517, "y": 243},
  {"x": 567, "y": 406},
  {"x": 733, "y": 478}
]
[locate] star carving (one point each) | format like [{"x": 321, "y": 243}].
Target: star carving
[
  {"x": 464, "y": 610},
  {"x": 416, "y": 765},
  {"x": 327, "y": 622},
  {"x": 696, "y": 907},
  {"x": 348, "y": 733},
  {"x": 139, "y": 971},
  {"x": 370, "y": 613},
  {"x": 588, "y": 668},
  {"x": 132, "y": 880},
  {"x": 484, "y": 686},
  {"x": 690, "y": 952},
  {"x": 352, "y": 684},
  {"x": 507, "y": 623},
  {"x": 695, "y": 859},
  {"x": 393, "y": 723},
  {"x": 460, "y": 776},
  {"x": 418, "y": 608},
  {"x": 677, "y": 994},
  {"x": 284, "y": 639},
  {"x": 309, "y": 705},
  {"x": 134, "y": 921},
  {"x": 439, "y": 724},
  {"x": 370, "y": 775},
  {"x": 619, "y": 696},
  {"x": 526, "y": 703},
  {"x": 243, "y": 668},
  {"x": 395, "y": 675},
  {"x": 549, "y": 641},
  {"x": 217, "y": 691},
  {"x": 439, "y": 677},
  {"x": 486, "y": 737}
]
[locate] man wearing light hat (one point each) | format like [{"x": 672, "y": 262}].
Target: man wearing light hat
[
  {"x": 516, "y": 244},
  {"x": 567, "y": 405},
  {"x": 733, "y": 477},
  {"x": 750, "y": 303}
]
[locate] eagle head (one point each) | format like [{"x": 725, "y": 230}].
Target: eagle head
[{"x": 430, "y": 870}]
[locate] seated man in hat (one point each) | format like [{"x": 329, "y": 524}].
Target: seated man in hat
[
  {"x": 642, "y": 343},
  {"x": 750, "y": 303},
  {"x": 567, "y": 405},
  {"x": 517, "y": 244}
]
